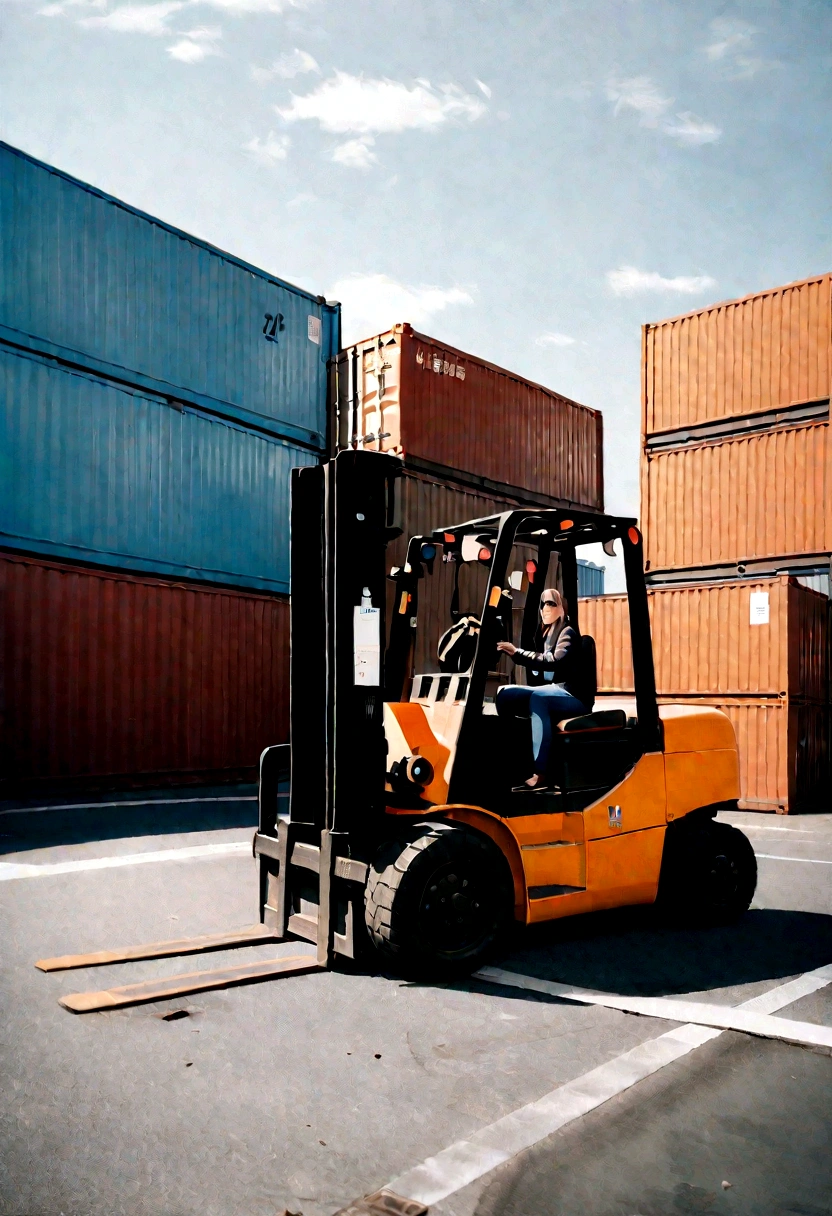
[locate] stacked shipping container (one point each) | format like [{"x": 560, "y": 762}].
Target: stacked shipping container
[
  {"x": 736, "y": 458},
  {"x": 157, "y": 391},
  {"x": 758, "y": 649},
  {"x": 736, "y": 483}
]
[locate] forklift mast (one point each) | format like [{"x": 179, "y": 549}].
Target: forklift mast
[{"x": 343, "y": 515}]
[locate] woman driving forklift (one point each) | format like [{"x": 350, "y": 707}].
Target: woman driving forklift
[{"x": 553, "y": 674}]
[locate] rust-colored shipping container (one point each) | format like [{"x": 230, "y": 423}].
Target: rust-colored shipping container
[
  {"x": 119, "y": 678},
  {"x": 455, "y": 415},
  {"x": 761, "y": 501},
  {"x": 771, "y": 677},
  {"x": 763, "y": 637},
  {"x": 765, "y": 352}
]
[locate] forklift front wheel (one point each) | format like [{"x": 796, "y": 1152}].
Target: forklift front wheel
[{"x": 440, "y": 902}]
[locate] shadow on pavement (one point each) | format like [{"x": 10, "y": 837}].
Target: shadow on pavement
[
  {"x": 22, "y": 829},
  {"x": 631, "y": 952}
]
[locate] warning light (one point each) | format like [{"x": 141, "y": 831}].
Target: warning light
[
  {"x": 566, "y": 524},
  {"x": 484, "y": 554},
  {"x": 634, "y": 535},
  {"x": 449, "y": 538},
  {"x": 531, "y": 570}
]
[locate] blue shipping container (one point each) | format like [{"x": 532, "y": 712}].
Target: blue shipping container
[
  {"x": 101, "y": 286},
  {"x": 95, "y": 472},
  {"x": 590, "y": 578}
]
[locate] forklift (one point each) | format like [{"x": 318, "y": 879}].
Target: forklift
[
  {"x": 391, "y": 822},
  {"x": 391, "y": 829}
]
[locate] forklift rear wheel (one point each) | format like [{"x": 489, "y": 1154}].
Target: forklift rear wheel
[
  {"x": 439, "y": 902},
  {"x": 709, "y": 873}
]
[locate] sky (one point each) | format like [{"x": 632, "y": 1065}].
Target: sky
[{"x": 529, "y": 181}]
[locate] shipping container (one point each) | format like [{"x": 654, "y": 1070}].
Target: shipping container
[
  {"x": 97, "y": 473},
  {"x": 456, "y": 416},
  {"x": 740, "y": 500},
  {"x": 590, "y": 578},
  {"x": 94, "y": 283},
  {"x": 760, "y": 651},
  {"x": 737, "y": 360},
  {"x": 745, "y": 638},
  {"x": 115, "y": 677}
]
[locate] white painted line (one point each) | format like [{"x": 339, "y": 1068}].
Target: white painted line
[
  {"x": 810, "y": 861},
  {"x": 761, "y": 827},
  {"x": 455, "y": 1167},
  {"x": 696, "y": 1013},
  {"x": 10, "y": 870},
  {"x": 94, "y": 806}
]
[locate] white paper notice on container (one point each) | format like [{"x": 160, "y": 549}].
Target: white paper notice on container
[
  {"x": 758, "y": 612},
  {"x": 367, "y": 645},
  {"x": 313, "y": 329}
]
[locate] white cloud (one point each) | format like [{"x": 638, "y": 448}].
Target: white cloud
[
  {"x": 241, "y": 7},
  {"x": 345, "y": 103},
  {"x": 302, "y": 200},
  {"x": 294, "y": 63},
  {"x": 688, "y": 129},
  {"x": 269, "y": 150},
  {"x": 729, "y": 36},
  {"x": 732, "y": 42},
  {"x": 355, "y": 153},
  {"x": 483, "y": 88},
  {"x": 373, "y": 303},
  {"x": 196, "y": 45},
  {"x": 137, "y": 18},
  {"x": 628, "y": 281},
  {"x": 555, "y": 339},
  {"x": 640, "y": 94},
  {"x": 55, "y": 10}
]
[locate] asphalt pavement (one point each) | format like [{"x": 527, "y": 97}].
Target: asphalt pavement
[{"x": 305, "y": 1092}]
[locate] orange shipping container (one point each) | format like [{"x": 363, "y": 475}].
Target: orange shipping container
[
  {"x": 113, "y": 677},
  {"x": 760, "y": 353},
  {"x": 457, "y": 416},
  {"x": 771, "y": 678},
  {"x": 750, "y": 498}
]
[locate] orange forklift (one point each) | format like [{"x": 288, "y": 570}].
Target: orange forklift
[
  {"x": 391, "y": 819},
  {"x": 391, "y": 824}
]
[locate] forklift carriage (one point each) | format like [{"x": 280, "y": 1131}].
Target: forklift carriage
[{"x": 390, "y": 820}]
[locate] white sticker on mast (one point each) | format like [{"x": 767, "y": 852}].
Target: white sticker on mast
[{"x": 367, "y": 642}]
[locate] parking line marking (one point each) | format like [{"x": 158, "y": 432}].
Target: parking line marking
[
  {"x": 809, "y": 861},
  {"x": 12, "y": 870},
  {"x": 467, "y": 1160},
  {"x": 93, "y": 806},
  {"x": 695, "y": 1013}
]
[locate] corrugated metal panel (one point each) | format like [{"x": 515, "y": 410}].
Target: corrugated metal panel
[
  {"x": 97, "y": 473},
  {"x": 704, "y": 642},
  {"x": 590, "y": 578},
  {"x": 432, "y": 403},
  {"x": 117, "y": 676},
  {"x": 817, "y": 582},
  {"x": 760, "y": 496},
  {"x": 89, "y": 274},
  {"x": 739, "y": 358},
  {"x": 428, "y": 504}
]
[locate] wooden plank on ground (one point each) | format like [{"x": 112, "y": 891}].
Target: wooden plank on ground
[
  {"x": 249, "y": 935},
  {"x": 183, "y": 985}
]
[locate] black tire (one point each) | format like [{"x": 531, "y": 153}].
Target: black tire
[
  {"x": 709, "y": 873},
  {"x": 438, "y": 903}
]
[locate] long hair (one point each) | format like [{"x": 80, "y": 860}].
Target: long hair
[{"x": 542, "y": 630}]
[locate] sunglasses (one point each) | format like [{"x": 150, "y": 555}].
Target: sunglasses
[{"x": 548, "y": 604}]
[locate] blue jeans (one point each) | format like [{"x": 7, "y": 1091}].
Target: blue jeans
[{"x": 545, "y": 706}]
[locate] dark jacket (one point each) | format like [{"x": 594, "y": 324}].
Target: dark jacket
[{"x": 557, "y": 662}]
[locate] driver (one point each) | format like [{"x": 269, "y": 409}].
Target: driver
[{"x": 553, "y": 674}]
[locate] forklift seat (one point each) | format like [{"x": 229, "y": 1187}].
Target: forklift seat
[{"x": 605, "y": 719}]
